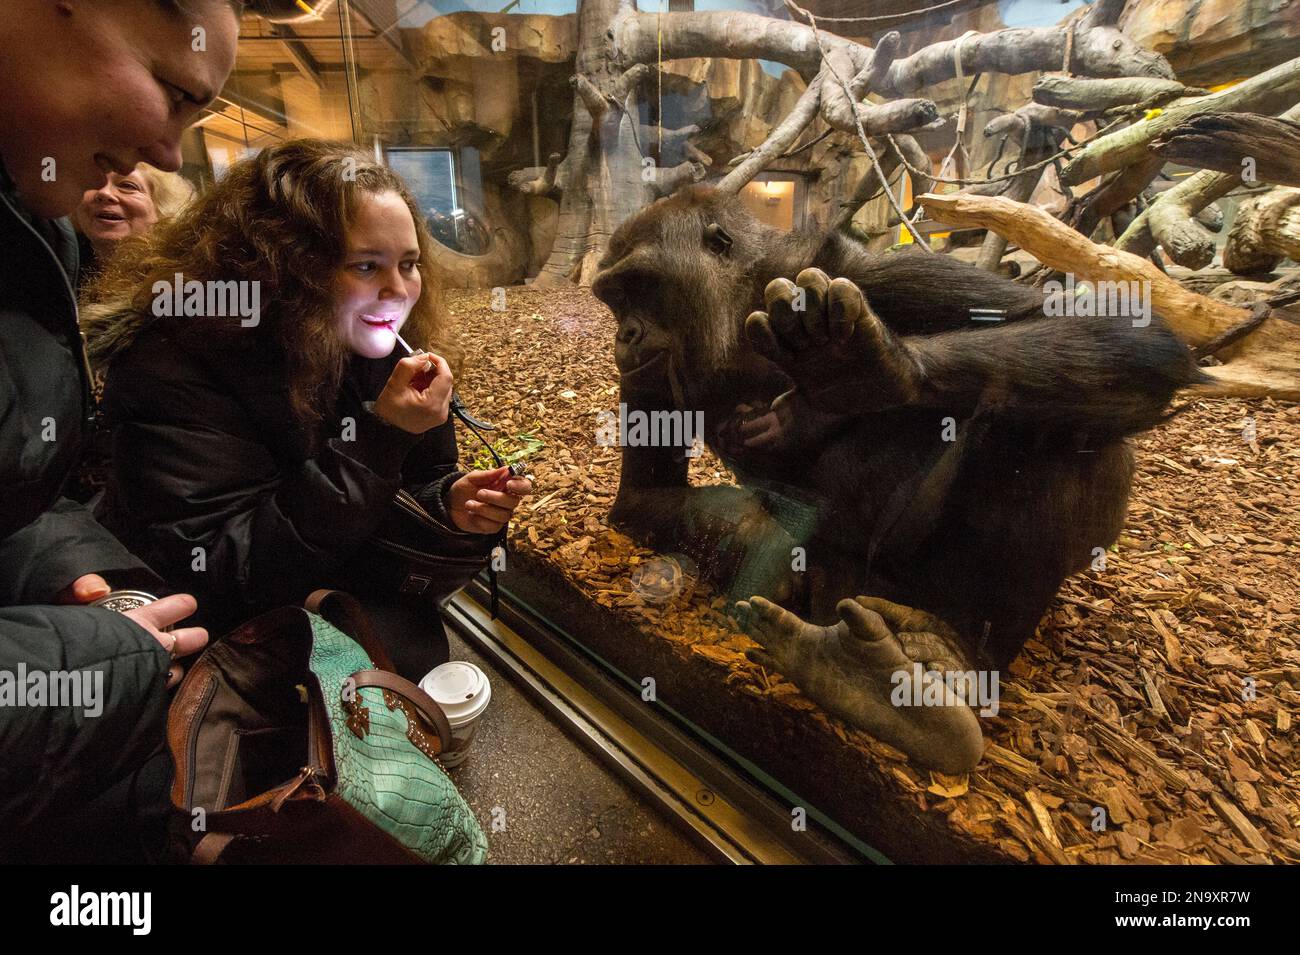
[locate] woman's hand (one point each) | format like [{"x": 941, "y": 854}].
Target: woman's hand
[
  {"x": 417, "y": 396},
  {"x": 153, "y": 617},
  {"x": 481, "y": 502},
  {"x": 85, "y": 589},
  {"x": 180, "y": 642}
]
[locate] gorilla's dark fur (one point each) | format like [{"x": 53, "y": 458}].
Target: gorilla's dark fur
[{"x": 981, "y": 530}]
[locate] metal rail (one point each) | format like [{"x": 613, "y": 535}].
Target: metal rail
[{"x": 727, "y": 815}]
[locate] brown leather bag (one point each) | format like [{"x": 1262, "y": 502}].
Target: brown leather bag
[{"x": 254, "y": 747}]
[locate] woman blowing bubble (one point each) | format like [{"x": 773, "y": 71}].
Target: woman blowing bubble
[{"x": 254, "y": 456}]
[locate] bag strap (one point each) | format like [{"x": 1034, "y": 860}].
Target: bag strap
[
  {"x": 345, "y": 612},
  {"x": 424, "y": 704},
  {"x": 211, "y": 847}
]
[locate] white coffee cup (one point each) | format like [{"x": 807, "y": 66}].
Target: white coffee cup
[{"x": 463, "y": 692}]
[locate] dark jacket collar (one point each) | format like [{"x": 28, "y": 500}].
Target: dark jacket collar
[
  {"x": 38, "y": 272},
  {"x": 58, "y": 234}
]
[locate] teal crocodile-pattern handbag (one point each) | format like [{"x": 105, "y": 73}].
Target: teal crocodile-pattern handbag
[{"x": 295, "y": 742}]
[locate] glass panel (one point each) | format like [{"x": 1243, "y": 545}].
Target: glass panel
[
  {"x": 927, "y": 465},
  {"x": 687, "y": 462}
]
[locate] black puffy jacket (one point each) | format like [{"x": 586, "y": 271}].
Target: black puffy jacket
[
  {"x": 214, "y": 484},
  {"x": 54, "y": 758}
]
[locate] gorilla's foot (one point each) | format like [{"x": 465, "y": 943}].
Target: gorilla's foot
[
  {"x": 926, "y": 639},
  {"x": 824, "y": 335},
  {"x": 858, "y": 668}
]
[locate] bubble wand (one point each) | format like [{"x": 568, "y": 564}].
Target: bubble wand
[{"x": 471, "y": 422}]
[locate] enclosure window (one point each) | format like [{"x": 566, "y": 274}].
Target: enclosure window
[{"x": 776, "y": 200}]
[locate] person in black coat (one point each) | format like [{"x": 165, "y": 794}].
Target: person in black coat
[
  {"x": 258, "y": 442},
  {"x": 68, "y": 67}
]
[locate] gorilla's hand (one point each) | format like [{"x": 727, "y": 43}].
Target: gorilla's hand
[
  {"x": 759, "y": 428},
  {"x": 841, "y": 356},
  {"x": 861, "y": 669}
]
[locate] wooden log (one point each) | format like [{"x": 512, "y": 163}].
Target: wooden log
[
  {"x": 1265, "y": 362},
  {"x": 897, "y": 116},
  {"x": 1269, "y": 92},
  {"x": 1255, "y": 148},
  {"x": 1170, "y": 220},
  {"x": 1095, "y": 96},
  {"x": 1266, "y": 230}
]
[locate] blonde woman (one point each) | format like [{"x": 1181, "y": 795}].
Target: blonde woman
[{"x": 124, "y": 206}]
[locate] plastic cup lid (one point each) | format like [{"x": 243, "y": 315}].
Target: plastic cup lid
[{"x": 460, "y": 688}]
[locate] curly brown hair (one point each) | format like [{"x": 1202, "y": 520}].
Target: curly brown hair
[{"x": 279, "y": 218}]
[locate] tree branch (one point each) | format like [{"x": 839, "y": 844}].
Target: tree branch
[
  {"x": 1095, "y": 96},
  {"x": 667, "y": 181},
  {"x": 897, "y": 116},
  {"x": 536, "y": 180},
  {"x": 778, "y": 141},
  {"x": 1025, "y": 51},
  {"x": 1267, "y": 92},
  {"x": 1269, "y": 146},
  {"x": 1265, "y": 362}
]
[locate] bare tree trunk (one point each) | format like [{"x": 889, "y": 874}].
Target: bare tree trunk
[
  {"x": 1266, "y": 230},
  {"x": 605, "y": 184}
]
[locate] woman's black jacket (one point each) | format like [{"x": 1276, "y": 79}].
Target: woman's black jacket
[{"x": 215, "y": 485}]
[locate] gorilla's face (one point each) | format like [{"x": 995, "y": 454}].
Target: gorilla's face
[
  {"x": 648, "y": 312},
  {"x": 676, "y": 282}
]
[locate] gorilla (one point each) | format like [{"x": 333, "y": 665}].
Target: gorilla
[{"x": 923, "y": 454}]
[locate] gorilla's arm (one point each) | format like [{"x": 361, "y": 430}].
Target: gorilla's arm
[
  {"x": 1103, "y": 375},
  {"x": 1106, "y": 376},
  {"x": 916, "y": 293},
  {"x": 726, "y": 530}
]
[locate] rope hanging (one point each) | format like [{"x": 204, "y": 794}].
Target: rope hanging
[{"x": 962, "y": 165}]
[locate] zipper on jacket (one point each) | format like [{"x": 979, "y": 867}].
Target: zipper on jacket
[{"x": 420, "y": 556}]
